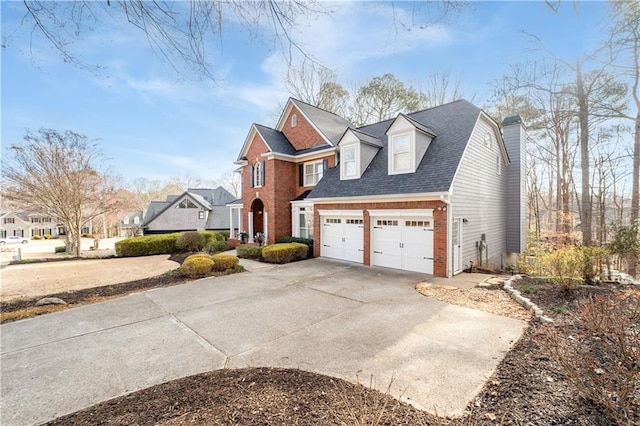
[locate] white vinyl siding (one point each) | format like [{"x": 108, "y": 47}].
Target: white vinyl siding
[{"x": 479, "y": 197}]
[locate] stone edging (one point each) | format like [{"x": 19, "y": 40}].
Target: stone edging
[{"x": 527, "y": 303}]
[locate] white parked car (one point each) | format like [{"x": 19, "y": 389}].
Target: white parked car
[{"x": 12, "y": 239}]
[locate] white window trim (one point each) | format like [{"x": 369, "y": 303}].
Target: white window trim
[
  {"x": 412, "y": 150},
  {"x": 343, "y": 169},
  {"x": 256, "y": 174},
  {"x": 294, "y": 120},
  {"x": 304, "y": 170}
]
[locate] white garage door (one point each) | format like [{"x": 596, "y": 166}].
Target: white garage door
[
  {"x": 341, "y": 238},
  {"x": 402, "y": 243}
]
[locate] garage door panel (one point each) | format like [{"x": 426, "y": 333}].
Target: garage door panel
[
  {"x": 403, "y": 243},
  {"x": 342, "y": 238}
]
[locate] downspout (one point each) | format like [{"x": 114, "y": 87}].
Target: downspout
[{"x": 445, "y": 199}]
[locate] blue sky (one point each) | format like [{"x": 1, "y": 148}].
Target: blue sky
[{"x": 150, "y": 124}]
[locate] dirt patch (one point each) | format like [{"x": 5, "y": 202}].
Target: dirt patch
[{"x": 29, "y": 280}]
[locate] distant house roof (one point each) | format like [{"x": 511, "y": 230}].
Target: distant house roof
[
  {"x": 453, "y": 124},
  {"x": 209, "y": 199},
  {"x": 218, "y": 218}
]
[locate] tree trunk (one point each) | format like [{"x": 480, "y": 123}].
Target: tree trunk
[
  {"x": 635, "y": 190},
  {"x": 583, "y": 118}
]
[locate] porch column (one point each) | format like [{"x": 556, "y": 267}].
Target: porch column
[
  {"x": 231, "y": 223},
  {"x": 240, "y": 226},
  {"x": 265, "y": 226},
  {"x": 250, "y": 218}
]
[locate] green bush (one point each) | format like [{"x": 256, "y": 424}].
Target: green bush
[
  {"x": 197, "y": 265},
  {"x": 217, "y": 246},
  {"x": 190, "y": 241},
  {"x": 285, "y": 252},
  {"x": 60, "y": 249},
  {"x": 36, "y": 237},
  {"x": 307, "y": 241},
  {"x": 224, "y": 261},
  {"x": 47, "y": 236},
  {"x": 225, "y": 234},
  {"x": 249, "y": 252},
  {"x": 147, "y": 245},
  {"x": 209, "y": 236}
]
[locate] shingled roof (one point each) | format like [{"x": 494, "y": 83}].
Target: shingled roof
[
  {"x": 330, "y": 124},
  {"x": 453, "y": 124}
]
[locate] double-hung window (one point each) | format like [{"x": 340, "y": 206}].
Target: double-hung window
[
  {"x": 313, "y": 173},
  {"x": 348, "y": 159},
  {"x": 401, "y": 151}
]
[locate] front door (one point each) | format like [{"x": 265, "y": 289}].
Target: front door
[{"x": 456, "y": 236}]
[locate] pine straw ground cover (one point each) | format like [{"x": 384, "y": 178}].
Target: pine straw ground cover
[{"x": 528, "y": 387}]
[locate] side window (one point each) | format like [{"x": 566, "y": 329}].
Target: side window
[
  {"x": 349, "y": 166},
  {"x": 294, "y": 120}
]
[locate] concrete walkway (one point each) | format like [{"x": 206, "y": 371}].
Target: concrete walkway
[{"x": 340, "y": 319}]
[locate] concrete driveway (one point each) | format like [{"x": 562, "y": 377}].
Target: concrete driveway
[{"x": 334, "y": 318}]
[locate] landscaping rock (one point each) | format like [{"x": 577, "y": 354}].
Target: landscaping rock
[{"x": 50, "y": 301}]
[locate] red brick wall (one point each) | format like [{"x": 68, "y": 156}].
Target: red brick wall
[
  {"x": 439, "y": 227},
  {"x": 303, "y": 135}
]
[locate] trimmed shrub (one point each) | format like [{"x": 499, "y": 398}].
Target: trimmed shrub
[
  {"x": 36, "y": 237},
  {"x": 224, "y": 234},
  {"x": 224, "y": 261},
  {"x": 147, "y": 245},
  {"x": 249, "y": 252},
  {"x": 307, "y": 241},
  {"x": 208, "y": 236},
  {"x": 60, "y": 249},
  {"x": 285, "y": 252},
  {"x": 190, "y": 241},
  {"x": 217, "y": 247},
  {"x": 197, "y": 265},
  {"x": 47, "y": 236}
]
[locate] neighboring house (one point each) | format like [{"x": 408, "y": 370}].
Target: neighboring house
[
  {"x": 29, "y": 224},
  {"x": 430, "y": 191},
  {"x": 131, "y": 224},
  {"x": 196, "y": 209}
]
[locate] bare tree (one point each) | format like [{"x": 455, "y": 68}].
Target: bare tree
[
  {"x": 317, "y": 85},
  {"x": 440, "y": 89},
  {"x": 382, "y": 98},
  {"x": 59, "y": 173},
  {"x": 232, "y": 182},
  {"x": 625, "y": 49},
  {"x": 182, "y": 35}
]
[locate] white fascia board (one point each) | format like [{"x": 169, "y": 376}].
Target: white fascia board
[
  {"x": 402, "y": 213},
  {"x": 240, "y": 163},
  {"x": 301, "y": 203},
  {"x": 429, "y": 196},
  {"x": 247, "y": 141},
  {"x": 498, "y": 134},
  {"x": 356, "y": 213},
  {"x": 285, "y": 112},
  {"x": 299, "y": 158}
]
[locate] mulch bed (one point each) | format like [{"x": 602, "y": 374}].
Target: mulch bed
[{"x": 528, "y": 388}]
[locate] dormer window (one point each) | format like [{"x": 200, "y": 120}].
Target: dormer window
[
  {"x": 186, "y": 204},
  {"x": 348, "y": 158},
  {"x": 136, "y": 220},
  {"x": 294, "y": 120},
  {"x": 408, "y": 144},
  {"x": 126, "y": 220},
  {"x": 401, "y": 153}
]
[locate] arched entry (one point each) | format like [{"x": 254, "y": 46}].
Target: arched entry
[{"x": 257, "y": 208}]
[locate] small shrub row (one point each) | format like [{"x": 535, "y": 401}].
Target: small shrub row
[
  {"x": 197, "y": 265},
  {"x": 201, "y": 264},
  {"x": 60, "y": 249},
  {"x": 285, "y": 252},
  {"x": 224, "y": 261},
  {"x": 147, "y": 245},
  {"x": 246, "y": 251},
  {"x": 36, "y": 237},
  {"x": 217, "y": 247},
  {"x": 166, "y": 243},
  {"x": 306, "y": 241}
]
